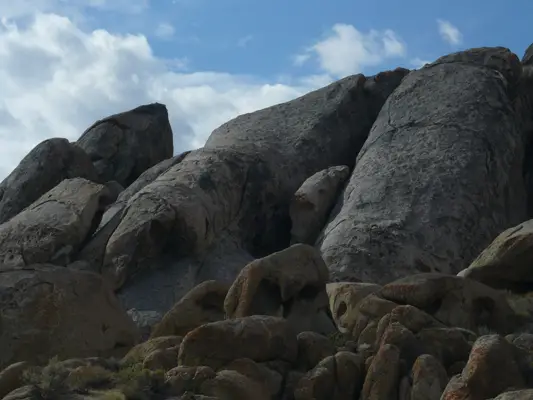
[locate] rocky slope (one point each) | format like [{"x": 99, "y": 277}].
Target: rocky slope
[{"x": 370, "y": 240}]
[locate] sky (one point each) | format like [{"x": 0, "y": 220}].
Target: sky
[{"x": 67, "y": 63}]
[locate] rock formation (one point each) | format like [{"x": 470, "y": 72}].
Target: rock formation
[{"x": 369, "y": 240}]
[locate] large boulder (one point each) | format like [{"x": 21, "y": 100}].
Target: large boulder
[
  {"x": 259, "y": 338},
  {"x": 290, "y": 283},
  {"x": 45, "y": 166},
  {"x": 313, "y": 201},
  {"x": 52, "y": 311},
  {"x": 493, "y": 367},
  {"x": 203, "y": 304},
  {"x": 242, "y": 181},
  {"x": 123, "y": 146},
  {"x": 454, "y": 301},
  {"x": 439, "y": 176},
  {"x": 507, "y": 263},
  {"x": 93, "y": 251},
  {"x": 53, "y": 228}
]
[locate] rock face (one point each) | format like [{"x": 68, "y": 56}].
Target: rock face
[
  {"x": 309, "y": 251},
  {"x": 242, "y": 181},
  {"x": 507, "y": 262},
  {"x": 414, "y": 197},
  {"x": 49, "y": 310},
  {"x": 313, "y": 201},
  {"x": 289, "y": 284},
  {"x": 42, "y": 169},
  {"x": 54, "y": 227},
  {"x": 123, "y": 146}
]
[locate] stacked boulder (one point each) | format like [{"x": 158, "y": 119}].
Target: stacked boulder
[{"x": 369, "y": 240}]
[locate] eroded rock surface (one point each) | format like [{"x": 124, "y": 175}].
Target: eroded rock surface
[
  {"x": 242, "y": 181},
  {"x": 123, "y": 146},
  {"x": 443, "y": 159},
  {"x": 45, "y": 166},
  {"x": 52, "y": 311}
]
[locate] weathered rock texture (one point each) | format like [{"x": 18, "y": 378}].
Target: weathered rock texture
[
  {"x": 123, "y": 146},
  {"x": 54, "y": 227},
  {"x": 242, "y": 181},
  {"x": 508, "y": 261},
  {"x": 42, "y": 169},
  {"x": 310, "y": 251},
  {"x": 414, "y": 198},
  {"x": 313, "y": 201},
  {"x": 49, "y": 310}
]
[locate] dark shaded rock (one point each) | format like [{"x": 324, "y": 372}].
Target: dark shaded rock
[
  {"x": 53, "y": 228},
  {"x": 454, "y": 301},
  {"x": 259, "y": 338},
  {"x": 313, "y": 201},
  {"x": 123, "y": 146},
  {"x": 41, "y": 170},
  {"x": 52, "y": 311}
]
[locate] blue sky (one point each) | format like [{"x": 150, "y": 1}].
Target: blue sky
[
  {"x": 260, "y": 37},
  {"x": 66, "y": 63}
]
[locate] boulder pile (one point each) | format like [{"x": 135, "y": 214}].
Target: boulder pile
[{"x": 370, "y": 240}]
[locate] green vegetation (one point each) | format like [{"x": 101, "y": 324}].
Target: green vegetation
[{"x": 132, "y": 382}]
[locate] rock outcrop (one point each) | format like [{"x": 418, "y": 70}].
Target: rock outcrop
[
  {"x": 49, "y": 163},
  {"x": 367, "y": 241},
  {"x": 123, "y": 146},
  {"x": 414, "y": 197}
]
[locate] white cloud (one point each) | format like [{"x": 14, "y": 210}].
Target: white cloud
[
  {"x": 57, "y": 79},
  {"x": 243, "y": 42},
  {"x": 449, "y": 33},
  {"x": 164, "y": 30},
  {"x": 301, "y": 59},
  {"x": 346, "y": 50},
  {"x": 419, "y": 62}
]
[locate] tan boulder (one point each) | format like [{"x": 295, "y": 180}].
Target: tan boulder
[
  {"x": 454, "y": 301},
  {"x": 160, "y": 353},
  {"x": 313, "y": 348},
  {"x": 399, "y": 336},
  {"x": 52, "y": 228},
  {"x": 231, "y": 385},
  {"x": 507, "y": 261},
  {"x": 336, "y": 377},
  {"x": 491, "y": 369},
  {"x": 203, "y": 304},
  {"x": 383, "y": 375},
  {"x": 343, "y": 300},
  {"x": 290, "y": 283},
  {"x": 187, "y": 379},
  {"x": 259, "y": 338},
  {"x": 49, "y": 310},
  {"x": 313, "y": 201},
  {"x": 448, "y": 345},
  {"x": 269, "y": 379},
  {"x": 11, "y": 377},
  {"x": 367, "y": 312},
  {"x": 429, "y": 378},
  {"x": 414, "y": 318}
]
